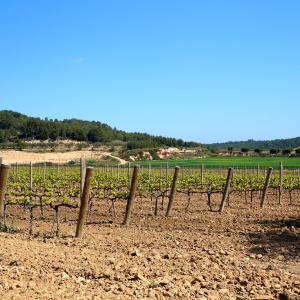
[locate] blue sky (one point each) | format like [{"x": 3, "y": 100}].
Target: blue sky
[{"x": 207, "y": 71}]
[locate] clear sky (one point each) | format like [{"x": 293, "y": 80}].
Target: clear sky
[{"x": 199, "y": 70}]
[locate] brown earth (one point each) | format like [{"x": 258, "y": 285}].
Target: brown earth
[
  {"x": 244, "y": 253},
  {"x": 25, "y": 157}
]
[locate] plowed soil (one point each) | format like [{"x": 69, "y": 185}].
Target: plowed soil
[{"x": 243, "y": 253}]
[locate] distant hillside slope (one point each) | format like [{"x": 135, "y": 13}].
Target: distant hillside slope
[
  {"x": 15, "y": 127},
  {"x": 252, "y": 144}
]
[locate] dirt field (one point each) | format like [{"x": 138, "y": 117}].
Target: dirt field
[
  {"x": 25, "y": 157},
  {"x": 245, "y": 253}
]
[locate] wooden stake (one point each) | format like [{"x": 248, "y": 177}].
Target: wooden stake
[
  {"x": 265, "y": 189},
  {"x": 4, "y": 169},
  {"x": 149, "y": 177},
  {"x": 280, "y": 181},
  {"x": 167, "y": 175},
  {"x": 44, "y": 175},
  {"x": 128, "y": 173},
  {"x": 133, "y": 187},
  {"x": 82, "y": 174},
  {"x": 173, "y": 191},
  {"x": 30, "y": 176},
  {"x": 226, "y": 189},
  {"x": 84, "y": 202}
]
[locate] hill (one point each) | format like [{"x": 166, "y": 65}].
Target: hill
[
  {"x": 16, "y": 127},
  {"x": 263, "y": 145}
]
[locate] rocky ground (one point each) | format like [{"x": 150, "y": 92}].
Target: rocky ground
[{"x": 244, "y": 253}]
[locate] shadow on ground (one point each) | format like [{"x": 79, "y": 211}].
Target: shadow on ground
[{"x": 277, "y": 239}]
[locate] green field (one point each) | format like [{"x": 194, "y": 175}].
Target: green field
[{"x": 249, "y": 162}]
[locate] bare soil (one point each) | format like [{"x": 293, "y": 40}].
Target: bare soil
[
  {"x": 244, "y": 253},
  {"x": 25, "y": 157}
]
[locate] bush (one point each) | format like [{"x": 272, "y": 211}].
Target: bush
[
  {"x": 258, "y": 151},
  {"x": 274, "y": 151},
  {"x": 154, "y": 154},
  {"x": 286, "y": 151}
]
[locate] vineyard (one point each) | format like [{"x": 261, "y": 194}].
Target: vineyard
[
  {"x": 193, "y": 232},
  {"x": 36, "y": 189}
]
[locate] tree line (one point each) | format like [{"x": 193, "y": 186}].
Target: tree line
[
  {"x": 15, "y": 126},
  {"x": 278, "y": 144}
]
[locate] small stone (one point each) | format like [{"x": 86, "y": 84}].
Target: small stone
[
  {"x": 277, "y": 286},
  {"x": 80, "y": 279},
  {"x": 64, "y": 275},
  {"x": 122, "y": 288},
  {"x": 259, "y": 256},
  {"x": 223, "y": 291},
  {"x": 263, "y": 297},
  {"x": 266, "y": 283},
  {"x": 151, "y": 294},
  {"x": 107, "y": 288},
  {"x": 136, "y": 252},
  {"x": 14, "y": 263},
  {"x": 139, "y": 276},
  {"x": 5, "y": 285},
  {"x": 161, "y": 281},
  {"x": 111, "y": 260},
  {"x": 197, "y": 279},
  {"x": 31, "y": 284}
]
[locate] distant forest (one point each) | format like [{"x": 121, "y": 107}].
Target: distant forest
[
  {"x": 16, "y": 127},
  {"x": 262, "y": 145}
]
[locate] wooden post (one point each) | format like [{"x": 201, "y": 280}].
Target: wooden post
[
  {"x": 118, "y": 171},
  {"x": 257, "y": 171},
  {"x": 226, "y": 189},
  {"x": 202, "y": 174},
  {"x": 82, "y": 174},
  {"x": 30, "y": 176},
  {"x": 265, "y": 189},
  {"x": 280, "y": 181},
  {"x": 128, "y": 173},
  {"x": 160, "y": 177},
  {"x": 44, "y": 175},
  {"x": 130, "y": 200},
  {"x": 167, "y": 175},
  {"x": 84, "y": 202},
  {"x": 4, "y": 169},
  {"x": 149, "y": 177},
  {"x": 173, "y": 191}
]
